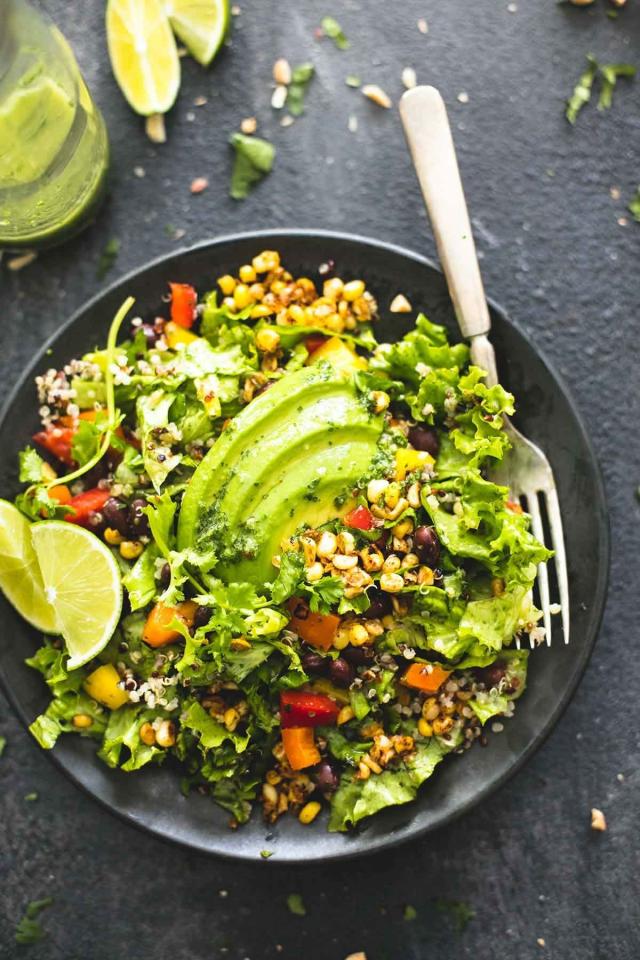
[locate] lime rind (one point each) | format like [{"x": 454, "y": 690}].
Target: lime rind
[{"x": 82, "y": 582}]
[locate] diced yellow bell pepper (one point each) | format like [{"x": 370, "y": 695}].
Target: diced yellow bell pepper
[
  {"x": 207, "y": 390},
  {"x": 341, "y": 357},
  {"x": 102, "y": 685},
  {"x": 408, "y": 460},
  {"x": 175, "y": 334}
]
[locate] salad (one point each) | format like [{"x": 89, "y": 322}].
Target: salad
[{"x": 265, "y": 548}]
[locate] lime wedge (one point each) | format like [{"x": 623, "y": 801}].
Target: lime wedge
[
  {"x": 200, "y": 24},
  {"x": 20, "y": 578},
  {"x": 81, "y": 583},
  {"x": 143, "y": 53}
]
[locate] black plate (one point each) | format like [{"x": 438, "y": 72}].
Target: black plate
[{"x": 151, "y": 798}]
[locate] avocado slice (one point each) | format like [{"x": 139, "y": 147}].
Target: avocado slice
[{"x": 280, "y": 464}]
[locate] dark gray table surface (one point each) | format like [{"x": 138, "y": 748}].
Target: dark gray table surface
[{"x": 557, "y": 257}]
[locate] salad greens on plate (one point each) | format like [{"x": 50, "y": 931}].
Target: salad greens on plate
[{"x": 276, "y": 558}]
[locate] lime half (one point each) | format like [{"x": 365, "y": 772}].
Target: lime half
[
  {"x": 82, "y": 585},
  {"x": 200, "y": 24},
  {"x": 143, "y": 54},
  {"x": 20, "y": 578}
]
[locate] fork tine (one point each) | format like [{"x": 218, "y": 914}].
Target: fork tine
[
  {"x": 543, "y": 573},
  {"x": 557, "y": 539}
]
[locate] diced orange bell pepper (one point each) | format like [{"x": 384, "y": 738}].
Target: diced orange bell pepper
[
  {"x": 61, "y": 493},
  {"x": 317, "y": 629},
  {"x": 300, "y": 747},
  {"x": 427, "y": 677},
  {"x": 157, "y": 632},
  {"x": 514, "y": 507}
]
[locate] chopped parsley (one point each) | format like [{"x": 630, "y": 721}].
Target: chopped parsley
[
  {"x": 3, "y": 743},
  {"x": 634, "y": 206},
  {"x": 410, "y": 912},
  {"x": 296, "y": 905},
  {"x": 253, "y": 161},
  {"x": 265, "y": 854},
  {"x": 30, "y": 797},
  {"x": 29, "y": 929},
  {"x": 353, "y": 81},
  {"x": 332, "y": 29}
]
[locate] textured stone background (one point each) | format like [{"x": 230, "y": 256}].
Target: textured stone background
[{"x": 556, "y": 257}]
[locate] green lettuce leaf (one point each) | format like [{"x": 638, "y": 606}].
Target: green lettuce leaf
[
  {"x": 140, "y": 581},
  {"x": 123, "y": 732}
]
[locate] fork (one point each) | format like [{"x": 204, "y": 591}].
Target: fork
[{"x": 525, "y": 470}]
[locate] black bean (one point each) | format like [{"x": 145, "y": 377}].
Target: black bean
[
  {"x": 313, "y": 663},
  {"x": 427, "y": 545},
  {"x": 341, "y": 672},
  {"x": 358, "y": 656},
  {"x": 115, "y": 514},
  {"x": 138, "y": 520},
  {"x": 424, "y": 437},
  {"x": 165, "y": 575},
  {"x": 202, "y": 616},
  {"x": 492, "y": 675},
  {"x": 380, "y": 604},
  {"x": 325, "y": 777}
]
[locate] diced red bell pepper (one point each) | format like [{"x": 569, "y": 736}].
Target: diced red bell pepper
[
  {"x": 360, "y": 518},
  {"x": 57, "y": 441},
  {"x": 184, "y": 300},
  {"x": 314, "y": 342},
  {"x": 86, "y": 503},
  {"x": 514, "y": 507},
  {"x": 302, "y": 708}
]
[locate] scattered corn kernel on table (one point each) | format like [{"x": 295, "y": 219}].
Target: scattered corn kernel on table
[{"x": 523, "y": 874}]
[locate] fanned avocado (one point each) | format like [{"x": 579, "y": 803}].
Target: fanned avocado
[{"x": 280, "y": 464}]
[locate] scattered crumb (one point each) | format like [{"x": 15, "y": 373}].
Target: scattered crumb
[
  {"x": 235, "y": 10},
  {"x": 22, "y": 260},
  {"x": 400, "y": 304},
  {"x": 541, "y": 942},
  {"x": 279, "y": 948},
  {"x": 497, "y": 727},
  {"x": 513, "y": 8},
  {"x": 409, "y": 78},
  {"x": 614, "y": 193},
  {"x": 249, "y": 125},
  {"x": 139, "y": 172},
  {"x": 623, "y": 222},
  {"x": 155, "y": 129},
  {"x": 375, "y": 93},
  {"x": 279, "y": 97},
  {"x": 287, "y": 120},
  {"x": 200, "y": 101},
  {"x": 356, "y": 956},
  {"x": 423, "y": 26},
  {"x": 598, "y": 821},
  {"x": 282, "y": 72},
  {"x": 179, "y": 233},
  {"x": 463, "y": 97},
  {"x": 199, "y": 185},
  {"x": 190, "y": 116},
  {"x": 353, "y": 123},
  {"x": 620, "y": 777},
  {"x": 182, "y": 51}
]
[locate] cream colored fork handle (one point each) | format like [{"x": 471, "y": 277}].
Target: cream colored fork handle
[{"x": 424, "y": 117}]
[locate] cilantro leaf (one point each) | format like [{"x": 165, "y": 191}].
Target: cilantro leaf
[
  {"x": 3, "y": 744},
  {"x": 31, "y": 464},
  {"x": 28, "y": 929},
  {"x": 334, "y": 31},
  {"x": 325, "y": 594},
  {"x": 254, "y": 160},
  {"x": 459, "y": 912},
  {"x": 297, "y": 89},
  {"x": 296, "y": 905},
  {"x": 289, "y": 576},
  {"x": 634, "y": 205},
  {"x": 410, "y": 912}
]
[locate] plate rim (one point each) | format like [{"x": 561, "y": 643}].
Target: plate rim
[{"x": 390, "y": 840}]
